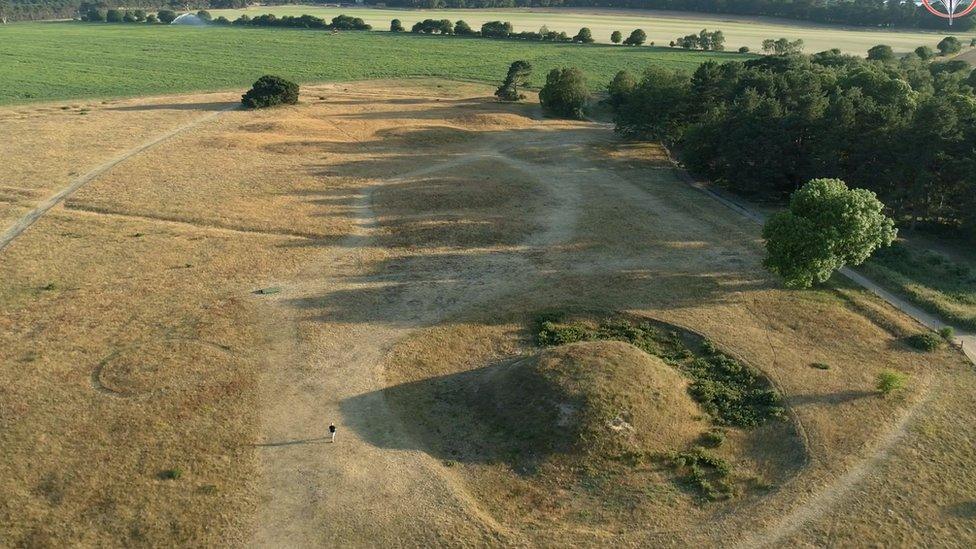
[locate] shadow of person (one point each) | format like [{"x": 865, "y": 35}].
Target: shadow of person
[{"x": 319, "y": 440}]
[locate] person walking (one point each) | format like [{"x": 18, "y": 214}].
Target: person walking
[{"x": 332, "y": 431}]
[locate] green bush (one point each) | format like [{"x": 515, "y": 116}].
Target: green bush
[
  {"x": 636, "y": 38},
  {"x": 949, "y": 45},
  {"x": 706, "y": 473},
  {"x": 171, "y": 474},
  {"x": 269, "y": 91},
  {"x": 890, "y": 381},
  {"x": 926, "y": 341},
  {"x": 713, "y": 438},
  {"x": 166, "y": 16},
  {"x": 396, "y": 26},
  {"x": 518, "y": 75},
  {"x": 616, "y": 37},
  {"x": 947, "y": 333},
  {"x": 744, "y": 49},
  {"x": 565, "y": 93}
]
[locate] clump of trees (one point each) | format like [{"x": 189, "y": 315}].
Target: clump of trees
[
  {"x": 826, "y": 227},
  {"x": 764, "y": 127},
  {"x": 704, "y": 40},
  {"x": 584, "y": 36},
  {"x": 433, "y": 26},
  {"x": 782, "y": 46},
  {"x": 518, "y": 75},
  {"x": 340, "y": 22},
  {"x": 881, "y": 52},
  {"x": 949, "y": 45},
  {"x": 270, "y": 91},
  {"x": 636, "y": 38},
  {"x": 565, "y": 93},
  {"x": 462, "y": 28},
  {"x": 496, "y": 29}
]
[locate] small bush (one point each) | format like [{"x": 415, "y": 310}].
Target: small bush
[
  {"x": 820, "y": 366},
  {"x": 396, "y": 26},
  {"x": 713, "y": 438},
  {"x": 616, "y": 37},
  {"x": 744, "y": 49},
  {"x": 890, "y": 381},
  {"x": 269, "y": 91},
  {"x": 706, "y": 473},
  {"x": 166, "y": 16},
  {"x": 947, "y": 333},
  {"x": 171, "y": 474},
  {"x": 113, "y": 16},
  {"x": 926, "y": 341}
]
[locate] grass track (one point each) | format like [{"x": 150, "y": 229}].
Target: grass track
[{"x": 59, "y": 61}]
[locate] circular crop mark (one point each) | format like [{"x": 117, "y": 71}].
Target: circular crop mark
[{"x": 145, "y": 368}]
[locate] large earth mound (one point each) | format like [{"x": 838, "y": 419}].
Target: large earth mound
[{"x": 596, "y": 400}]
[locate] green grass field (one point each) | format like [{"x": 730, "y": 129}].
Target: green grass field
[
  {"x": 56, "y": 61},
  {"x": 661, "y": 26}
]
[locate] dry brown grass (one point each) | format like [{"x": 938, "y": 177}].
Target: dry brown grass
[{"x": 416, "y": 229}]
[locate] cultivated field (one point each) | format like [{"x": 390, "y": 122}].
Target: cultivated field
[
  {"x": 177, "y": 335},
  {"x": 50, "y": 61},
  {"x": 661, "y": 26}
]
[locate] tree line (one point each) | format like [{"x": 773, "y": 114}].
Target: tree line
[
  {"x": 903, "y": 128},
  {"x": 115, "y": 15},
  {"x": 874, "y": 13}
]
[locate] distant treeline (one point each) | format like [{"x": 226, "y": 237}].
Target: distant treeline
[
  {"x": 116, "y": 15},
  {"x": 34, "y": 10},
  {"x": 873, "y": 13},
  {"x": 904, "y": 128}
]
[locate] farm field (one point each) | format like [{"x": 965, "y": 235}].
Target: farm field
[
  {"x": 661, "y": 26},
  {"x": 392, "y": 255},
  {"x": 51, "y": 61}
]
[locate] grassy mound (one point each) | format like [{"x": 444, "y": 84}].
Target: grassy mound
[
  {"x": 594, "y": 400},
  {"x": 733, "y": 393}
]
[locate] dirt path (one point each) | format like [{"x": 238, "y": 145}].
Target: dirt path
[
  {"x": 326, "y": 495},
  {"x": 30, "y": 217},
  {"x": 347, "y": 315}
]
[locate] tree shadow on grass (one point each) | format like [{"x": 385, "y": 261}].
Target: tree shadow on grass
[{"x": 204, "y": 106}]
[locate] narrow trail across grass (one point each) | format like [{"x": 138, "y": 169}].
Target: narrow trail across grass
[{"x": 32, "y": 216}]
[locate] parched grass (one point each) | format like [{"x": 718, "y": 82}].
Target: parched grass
[
  {"x": 939, "y": 284},
  {"x": 50, "y": 61}
]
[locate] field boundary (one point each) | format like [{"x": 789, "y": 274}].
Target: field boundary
[{"x": 32, "y": 216}]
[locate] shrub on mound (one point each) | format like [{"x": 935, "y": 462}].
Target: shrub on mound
[
  {"x": 269, "y": 91},
  {"x": 593, "y": 400}
]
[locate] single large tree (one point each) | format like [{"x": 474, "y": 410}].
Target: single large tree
[
  {"x": 616, "y": 37},
  {"x": 949, "y": 45},
  {"x": 518, "y": 75},
  {"x": 636, "y": 38},
  {"x": 827, "y": 226}
]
